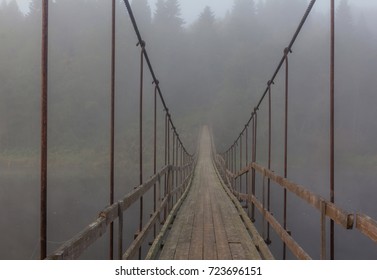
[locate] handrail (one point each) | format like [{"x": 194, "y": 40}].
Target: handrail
[
  {"x": 334, "y": 212},
  {"x": 361, "y": 222},
  {"x": 73, "y": 248}
]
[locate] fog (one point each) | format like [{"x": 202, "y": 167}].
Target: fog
[{"x": 213, "y": 65}]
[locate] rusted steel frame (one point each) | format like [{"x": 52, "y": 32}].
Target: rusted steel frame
[
  {"x": 177, "y": 163},
  {"x": 226, "y": 159},
  {"x": 254, "y": 159},
  {"x": 235, "y": 163},
  {"x": 141, "y": 212},
  {"x": 155, "y": 155},
  {"x": 323, "y": 229},
  {"x": 231, "y": 161},
  {"x": 268, "y": 240},
  {"x": 332, "y": 126},
  {"x": 335, "y": 213},
  {"x": 264, "y": 206},
  {"x": 248, "y": 174},
  {"x": 170, "y": 187},
  {"x": 173, "y": 172},
  {"x": 294, "y": 247},
  {"x": 240, "y": 162},
  {"x": 168, "y": 135},
  {"x": 286, "y": 52},
  {"x": 367, "y": 226},
  {"x": 44, "y": 119},
  {"x": 158, "y": 201},
  {"x": 166, "y": 162},
  {"x": 137, "y": 243},
  {"x": 182, "y": 164},
  {"x": 120, "y": 230},
  {"x": 112, "y": 126}
]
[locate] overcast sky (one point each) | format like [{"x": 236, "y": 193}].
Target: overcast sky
[{"x": 192, "y": 8}]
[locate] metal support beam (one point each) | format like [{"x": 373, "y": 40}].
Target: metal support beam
[{"x": 44, "y": 116}]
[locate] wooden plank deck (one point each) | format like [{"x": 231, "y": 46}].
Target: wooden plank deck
[{"x": 208, "y": 225}]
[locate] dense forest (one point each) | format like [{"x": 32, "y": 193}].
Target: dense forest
[{"x": 211, "y": 71}]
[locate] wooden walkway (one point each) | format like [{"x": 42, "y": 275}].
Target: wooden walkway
[{"x": 208, "y": 225}]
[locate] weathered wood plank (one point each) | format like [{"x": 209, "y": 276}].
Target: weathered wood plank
[
  {"x": 295, "y": 248},
  {"x": 182, "y": 249},
  {"x": 367, "y": 226},
  {"x": 76, "y": 246},
  {"x": 138, "y": 192},
  {"x": 337, "y": 214},
  {"x": 196, "y": 247},
  {"x": 222, "y": 245},
  {"x": 155, "y": 248},
  {"x": 209, "y": 248},
  {"x": 258, "y": 241},
  {"x": 237, "y": 251},
  {"x": 215, "y": 222}
]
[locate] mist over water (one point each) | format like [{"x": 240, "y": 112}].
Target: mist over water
[{"x": 212, "y": 71}]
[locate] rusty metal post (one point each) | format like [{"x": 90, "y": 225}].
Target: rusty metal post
[
  {"x": 255, "y": 128},
  {"x": 112, "y": 126},
  {"x": 227, "y": 159},
  {"x": 155, "y": 155},
  {"x": 44, "y": 117},
  {"x": 240, "y": 178},
  {"x": 247, "y": 156},
  {"x": 332, "y": 127},
  {"x": 234, "y": 164},
  {"x": 120, "y": 229},
  {"x": 177, "y": 164},
  {"x": 253, "y": 170},
  {"x": 166, "y": 163},
  {"x": 168, "y": 139},
  {"x": 173, "y": 163},
  {"x": 169, "y": 173},
  {"x": 286, "y": 51},
  {"x": 268, "y": 240},
  {"x": 323, "y": 230},
  {"x": 264, "y": 206},
  {"x": 141, "y": 137},
  {"x": 247, "y": 187},
  {"x": 158, "y": 199},
  {"x": 181, "y": 166},
  {"x": 230, "y": 159}
]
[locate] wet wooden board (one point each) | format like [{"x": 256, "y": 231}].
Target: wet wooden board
[{"x": 208, "y": 225}]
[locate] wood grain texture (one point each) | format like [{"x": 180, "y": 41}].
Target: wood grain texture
[{"x": 208, "y": 225}]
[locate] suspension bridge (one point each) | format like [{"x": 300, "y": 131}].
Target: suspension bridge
[{"x": 203, "y": 204}]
